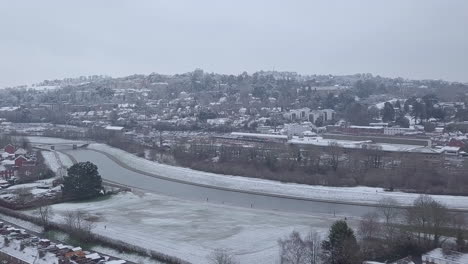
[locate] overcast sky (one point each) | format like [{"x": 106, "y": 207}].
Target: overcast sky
[{"x": 56, "y": 39}]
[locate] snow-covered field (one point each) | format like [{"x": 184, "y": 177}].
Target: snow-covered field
[
  {"x": 358, "y": 195},
  {"x": 53, "y": 163},
  {"x": 191, "y": 230}
]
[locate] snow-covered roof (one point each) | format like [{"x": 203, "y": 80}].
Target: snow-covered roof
[
  {"x": 257, "y": 135},
  {"x": 21, "y": 157},
  {"x": 115, "y": 262},
  {"x": 450, "y": 149},
  {"x": 319, "y": 141},
  {"x": 6, "y": 155},
  {"x": 62, "y": 246},
  {"x": 450, "y": 257},
  {"x": 93, "y": 256},
  {"x": 21, "y": 151},
  {"x": 114, "y": 128},
  {"x": 8, "y": 162}
]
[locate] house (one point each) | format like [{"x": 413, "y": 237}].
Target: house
[
  {"x": 20, "y": 152},
  {"x": 357, "y": 130},
  {"x": 440, "y": 256},
  {"x": 114, "y": 131},
  {"x": 456, "y": 143},
  {"x": 6, "y": 173},
  {"x": 10, "y": 149},
  {"x": 21, "y": 161},
  {"x": 295, "y": 129},
  {"x": 451, "y": 150},
  {"x": 397, "y": 130}
]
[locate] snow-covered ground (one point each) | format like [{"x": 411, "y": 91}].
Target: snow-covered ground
[
  {"x": 358, "y": 195},
  {"x": 192, "y": 230},
  {"x": 53, "y": 163},
  {"x": 52, "y": 140}
]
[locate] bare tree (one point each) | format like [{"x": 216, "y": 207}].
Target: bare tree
[
  {"x": 292, "y": 249},
  {"x": 295, "y": 250},
  {"x": 334, "y": 150},
  {"x": 78, "y": 224},
  {"x": 314, "y": 246},
  {"x": 459, "y": 224},
  {"x": 45, "y": 214},
  {"x": 369, "y": 231},
  {"x": 369, "y": 226},
  {"x": 389, "y": 209},
  {"x": 221, "y": 256},
  {"x": 428, "y": 217}
]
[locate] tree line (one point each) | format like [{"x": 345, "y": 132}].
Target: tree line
[{"x": 388, "y": 234}]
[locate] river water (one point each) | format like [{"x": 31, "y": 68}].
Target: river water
[{"x": 111, "y": 171}]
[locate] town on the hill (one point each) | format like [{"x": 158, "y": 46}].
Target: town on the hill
[{"x": 395, "y": 145}]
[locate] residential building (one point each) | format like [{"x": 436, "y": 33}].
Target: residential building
[
  {"x": 397, "y": 130},
  {"x": 306, "y": 114}
]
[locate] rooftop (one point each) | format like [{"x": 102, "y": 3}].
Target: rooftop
[{"x": 450, "y": 257}]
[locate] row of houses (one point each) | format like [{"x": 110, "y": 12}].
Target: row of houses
[
  {"x": 306, "y": 114},
  {"x": 435, "y": 256},
  {"x": 13, "y": 160},
  {"x": 21, "y": 247},
  {"x": 376, "y": 129}
]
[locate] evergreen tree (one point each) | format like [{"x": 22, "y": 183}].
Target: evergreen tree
[
  {"x": 402, "y": 121},
  {"x": 341, "y": 246},
  {"x": 83, "y": 181},
  {"x": 388, "y": 112}
]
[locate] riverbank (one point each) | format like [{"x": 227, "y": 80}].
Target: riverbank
[{"x": 345, "y": 195}]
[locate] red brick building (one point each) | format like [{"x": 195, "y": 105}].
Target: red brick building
[{"x": 10, "y": 149}]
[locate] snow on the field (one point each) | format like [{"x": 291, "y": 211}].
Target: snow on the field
[
  {"x": 50, "y": 160},
  {"x": 55, "y": 160},
  {"x": 192, "y": 230},
  {"x": 358, "y": 195},
  {"x": 66, "y": 161}
]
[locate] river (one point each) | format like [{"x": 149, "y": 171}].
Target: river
[{"x": 111, "y": 171}]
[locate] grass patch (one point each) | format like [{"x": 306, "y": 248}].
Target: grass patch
[{"x": 57, "y": 235}]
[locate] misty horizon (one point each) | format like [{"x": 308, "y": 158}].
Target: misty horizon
[{"x": 409, "y": 39}]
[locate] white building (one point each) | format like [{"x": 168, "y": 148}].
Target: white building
[
  {"x": 397, "y": 130},
  {"x": 306, "y": 114},
  {"x": 295, "y": 129}
]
